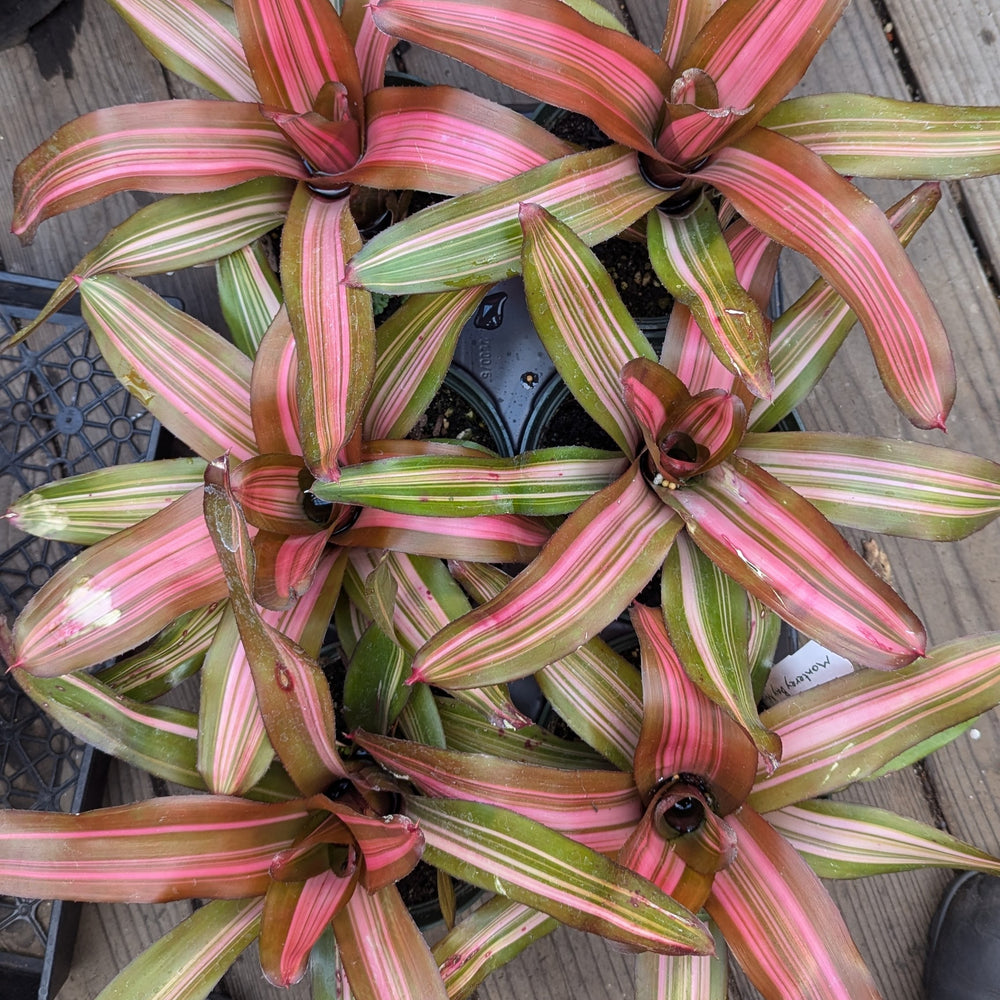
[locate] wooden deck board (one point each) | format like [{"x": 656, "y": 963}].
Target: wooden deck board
[{"x": 956, "y": 588}]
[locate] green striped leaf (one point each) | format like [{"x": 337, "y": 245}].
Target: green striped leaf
[
  {"x": 594, "y": 690},
  {"x": 845, "y": 840},
  {"x": 581, "y": 320},
  {"x": 475, "y": 239},
  {"x": 537, "y": 483},
  {"x": 845, "y": 730},
  {"x": 691, "y": 257},
  {"x": 684, "y": 977},
  {"x": 708, "y": 617},
  {"x": 528, "y": 863},
  {"x": 877, "y": 484},
  {"x": 85, "y": 508},
  {"x": 486, "y": 940},
  {"x": 413, "y": 349},
  {"x": 249, "y": 294},
  {"x": 879, "y": 137},
  {"x": 190, "y": 378},
  {"x": 191, "y": 958},
  {"x": 171, "y": 657},
  {"x": 196, "y": 39}
]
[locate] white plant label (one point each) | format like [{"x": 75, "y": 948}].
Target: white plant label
[{"x": 808, "y": 666}]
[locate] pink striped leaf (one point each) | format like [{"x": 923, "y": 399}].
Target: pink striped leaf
[
  {"x": 879, "y": 137},
  {"x": 390, "y": 845},
  {"x": 250, "y": 295},
  {"x": 846, "y": 840},
  {"x": 330, "y": 148},
  {"x": 680, "y": 844},
  {"x": 294, "y": 47},
  {"x": 595, "y": 691},
  {"x": 120, "y": 592},
  {"x": 707, "y": 616},
  {"x": 503, "y": 538},
  {"x": 683, "y": 732},
  {"x": 169, "y": 658},
  {"x": 475, "y": 239},
  {"x": 685, "y": 20},
  {"x": 786, "y": 191},
  {"x": 177, "y": 232},
  {"x": 598, "y": 560},
  {"x": 486, "y": 940},
  {"x": 286, "y": 566},
  {"x": 781, "y": 924},
  {"x": 372, "y": 47},
  {"x": 233, "y": 749},
  {"x": 692, "y": 259},
  {"x": 685, "y": 435},
  {"x": 448, "y": 141},
  {"x": 274, "y": 410},
  {"x": 413, "y": 349},
  {"x": 596, "y": 808},
  {"x": 176, "y": 847},
  {"x": 333, "y": 325},
  {"x": 291, "y": 689},
  {"x": 581, "y": 320},
  {"x": 878, "y": 484},
  {"x": 87, "y": 507},
  {"x": 190, "y": 378},
  {"x": 529, "y": 863},
  {"x": 149, "y": 147},
  {"x": 269, "y": 489},
  {"x": 295, "y": 914},
  {"x": 806, "y": 336},
  {"x": 756, "y": 52},
  {"x": 383, "y": 952},
  {"x": 537, "y": 483},
  {"x": 547, "y": 50},
  {"x": 694, "y": 977},
  {"x": 849, "y": 728},
  {"x": 196, "y": 39},
  {"x": 785, "y": 553}
]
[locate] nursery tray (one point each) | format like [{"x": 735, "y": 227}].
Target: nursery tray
[{"x": 62, "y": 412}]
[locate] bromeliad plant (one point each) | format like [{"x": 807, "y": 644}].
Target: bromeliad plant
[
  {"x": 704, "y": 114},
  {"x": 305, "y": 500}
]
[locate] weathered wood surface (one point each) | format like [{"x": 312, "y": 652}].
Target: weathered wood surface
[{"x": 956, "y": 588}]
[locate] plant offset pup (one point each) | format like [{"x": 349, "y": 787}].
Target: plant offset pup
[{"x": 679, "y": 820}]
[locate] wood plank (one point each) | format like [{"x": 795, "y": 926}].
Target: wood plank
[{"x": 952, "y": 51}]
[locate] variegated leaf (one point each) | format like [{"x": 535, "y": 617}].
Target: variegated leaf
[
  {"x": 598, "y": 560},
  {"x": 581, "y": 320},
  {"x": 531, "y": 864},
  {"x": 785, "y": 553}
]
